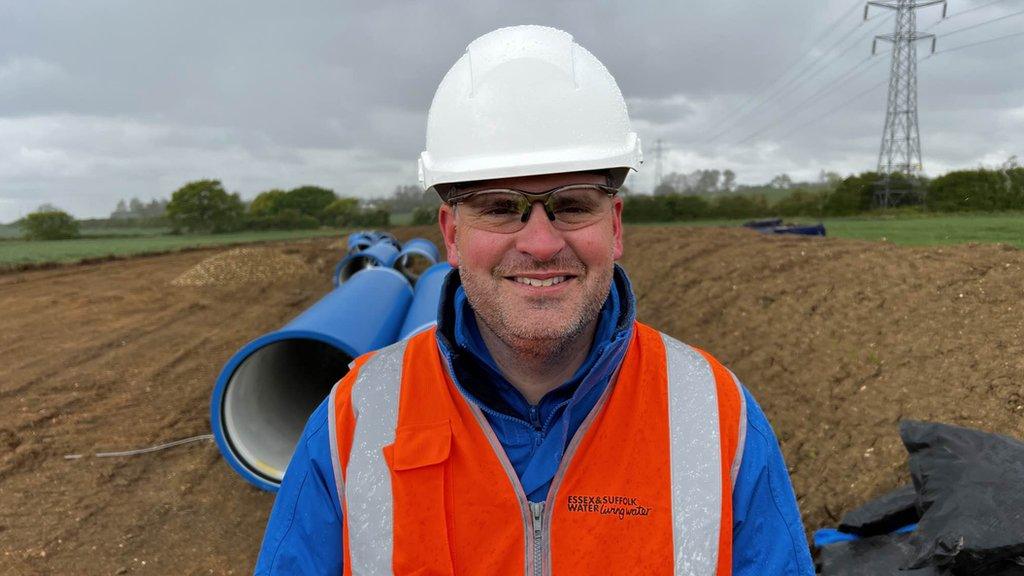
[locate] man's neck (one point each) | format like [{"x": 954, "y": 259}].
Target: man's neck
[{"x": 535, "y": 368}]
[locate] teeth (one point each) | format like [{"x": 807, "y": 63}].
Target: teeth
[{"x": 540, "y": 283}]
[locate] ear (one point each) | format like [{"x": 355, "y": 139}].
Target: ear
[
  {"x": 617, "y": 227},
  {"x": 446, "y": 220}
]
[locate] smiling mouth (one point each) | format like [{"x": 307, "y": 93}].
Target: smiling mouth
[{"x": 537, "y": 282}]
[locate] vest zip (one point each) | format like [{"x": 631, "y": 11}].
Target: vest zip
[
  {"x": 535, "y": 522},
  {"x": 544, "y": 565},
  {"x": 537, "y": 508}
]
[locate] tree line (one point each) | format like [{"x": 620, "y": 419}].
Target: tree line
[
  {"x": 205, "y": 206},
  {"x": 979, "y": 190}
]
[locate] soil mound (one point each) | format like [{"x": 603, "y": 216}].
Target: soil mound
[
  {"x": 838, "y": 340},
  {"x": 240, "y": 266}
]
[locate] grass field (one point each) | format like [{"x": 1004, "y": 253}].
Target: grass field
[
  {"x": 913, "y": 229},
  {"x": 15, "y": 252},
  {"x": 908, "y": 229}
]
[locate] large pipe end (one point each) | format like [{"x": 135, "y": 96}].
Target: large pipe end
[
  {"x": 263, "y": 398},
  {"x": 348, "y": 267},
  {"x": 413, "y": 263}
]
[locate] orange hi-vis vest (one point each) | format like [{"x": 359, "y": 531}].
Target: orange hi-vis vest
[{"x": 644, "y": 486}]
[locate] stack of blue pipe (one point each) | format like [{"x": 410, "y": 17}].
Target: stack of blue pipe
[{"x": 267, "y": 390}]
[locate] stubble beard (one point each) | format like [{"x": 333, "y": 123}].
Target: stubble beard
[{"x": 537, "y": 341}]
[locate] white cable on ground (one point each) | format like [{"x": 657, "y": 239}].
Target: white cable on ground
[{"x": 144, "y": 450}]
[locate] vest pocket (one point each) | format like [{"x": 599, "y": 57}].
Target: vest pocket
[{"x": 421, "y": 488}]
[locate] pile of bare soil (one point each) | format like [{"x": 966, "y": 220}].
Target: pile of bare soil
[
  {"x": 243, "y": 266},
  {"x": 838, "y": 340}
]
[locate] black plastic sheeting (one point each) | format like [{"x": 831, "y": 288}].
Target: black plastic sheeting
[
  {"x": 884, "y": 514},
  {"x": 967, "y": 500},
  {"x": 875, "y": 556},
  {"x": 970, "y": 487}
]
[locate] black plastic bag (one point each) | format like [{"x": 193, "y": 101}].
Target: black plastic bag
[
  {"x": 875, "y": 556},
  {"x": 884, "y": 514},
  {"x": 970, "y": 487}
]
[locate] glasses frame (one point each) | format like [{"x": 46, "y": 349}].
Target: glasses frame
[{"x": 532, "y": 197}]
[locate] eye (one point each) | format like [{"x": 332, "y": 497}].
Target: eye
[
  {"x": 503, "y": 208},
  {"x": 573, "y": 205}
]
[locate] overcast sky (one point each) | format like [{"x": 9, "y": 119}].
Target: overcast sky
[{"x": 103, "y": 100}]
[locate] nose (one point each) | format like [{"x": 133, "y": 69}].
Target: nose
[{"x": 539, "y": 238}]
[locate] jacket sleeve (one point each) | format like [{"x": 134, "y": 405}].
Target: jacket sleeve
[
  {"x": 768, "y": 535},
  {"x": 303, "y": 535}
]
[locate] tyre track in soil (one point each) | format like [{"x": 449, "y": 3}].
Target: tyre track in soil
[
  {"x": 98, "y": 396},
  {"x": 837, "y": 339},
  {"x": 153, "y": 347}
]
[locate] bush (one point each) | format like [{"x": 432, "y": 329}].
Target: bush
[
  {"x": 686, "y": 207},
  {"x": 424, "y": 215},
  {"x": 342, "y": 212},
  {"x": 267, "y": 203},
  {"x": 800, "y": 203},
  {"x": 288, "y": 219},
  {"x": 309, "y": 200},
  {"x": 204, "y": 206},
  {"x": 642, "y": 208},
  {"x": 668, "y": 207},
  {"x": 49, "y": 225},
  {"x": 853, "y": 195},
  {"x": 739, "y": 206},
  {"x": 982, "y": 189},
  {"x": 373, "y": 218}
]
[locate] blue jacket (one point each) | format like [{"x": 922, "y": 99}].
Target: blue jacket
[{"x": 303, "y": 534}]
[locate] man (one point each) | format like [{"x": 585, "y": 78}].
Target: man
[{"x": 539, "y": 429}]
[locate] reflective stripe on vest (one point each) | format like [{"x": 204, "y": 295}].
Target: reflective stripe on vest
[
  {"x": 696, "y": 459},
  {"x": 703, "y": 455},
  {"x": 366, "y": 490}
]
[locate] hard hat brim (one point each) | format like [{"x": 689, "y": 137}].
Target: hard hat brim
[{"x": 441, "y": 176}]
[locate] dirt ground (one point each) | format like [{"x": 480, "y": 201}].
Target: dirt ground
[{"x": 837, "y": 339}]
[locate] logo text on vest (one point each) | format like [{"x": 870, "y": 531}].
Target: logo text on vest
[{"x": 616, "y": 506}]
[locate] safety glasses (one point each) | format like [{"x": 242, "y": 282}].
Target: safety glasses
[{"x": 506, "y": 210}]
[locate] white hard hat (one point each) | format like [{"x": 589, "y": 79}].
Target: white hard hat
[{"x": 522, "y": 101}]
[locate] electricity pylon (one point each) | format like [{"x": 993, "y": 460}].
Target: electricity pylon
[
  {"x": 659, "y": 150},
  {"x": 900, "y": 153}
]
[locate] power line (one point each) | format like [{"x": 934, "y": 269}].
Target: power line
[
  {"x": 824, "y": 91},
  {"x": 979, "y": 24},
  {"x": 783, "y": 88},
  {"x": 989, "y": 41},
  {"x": 819, "y": 38},
  {"x": 834, "y": 110},
  {"x": 945, "y": 19},
  {"x": 780, "y": 90},
  {"x": 873, "y": 87},
  {"x": 969, "y": 10},
  {"x": 851, "y": 75}
]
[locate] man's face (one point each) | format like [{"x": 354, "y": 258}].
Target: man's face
[{"x": 496, "y": 267}]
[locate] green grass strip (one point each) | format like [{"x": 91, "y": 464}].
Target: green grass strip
[
  {"x": 910, "y": 229},
  {"x": 18, "y": 252}
]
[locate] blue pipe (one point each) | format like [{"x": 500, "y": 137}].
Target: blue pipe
[
  {"x": 381, "y": 254},
  {"x": 267, "y": 390},
  {"x": 380, "y": 235},
  {"x": 423, "y": 310},
  {"x": 359, "y": 241},
  {"x": 416, "y": 256}
]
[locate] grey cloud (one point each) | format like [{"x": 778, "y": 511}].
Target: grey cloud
[{"x": 120, "y": 97}]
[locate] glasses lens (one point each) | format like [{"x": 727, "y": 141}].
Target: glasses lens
[
  {"x": 500, "y": 211},
  {"x": 572, "y": 207},
  {"x": 577, "y": 207}
]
